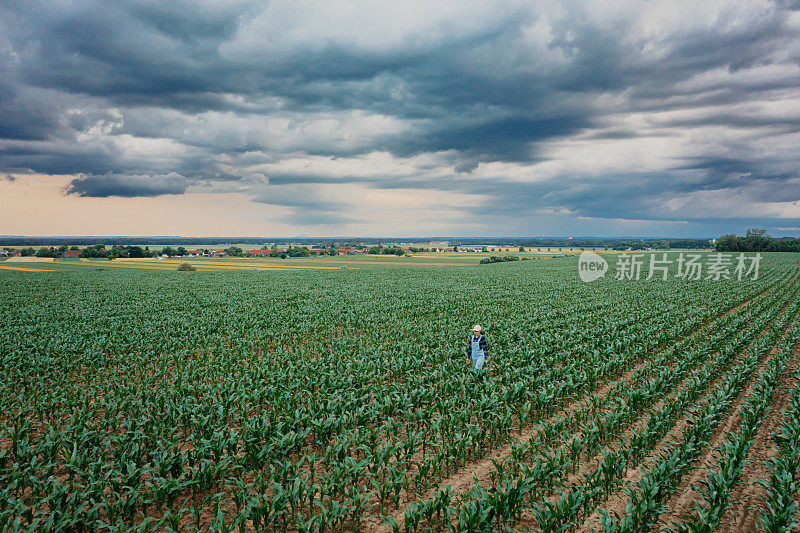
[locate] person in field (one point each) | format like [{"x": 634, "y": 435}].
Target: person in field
[{"x": 476, "y": 349}]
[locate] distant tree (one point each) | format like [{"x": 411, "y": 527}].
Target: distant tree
[
  {"x": 96, "y": 251},
  {"x": 50, "y": 252},
  {"x": 136, "y": 251},
  {"x": 181, "y": 251},
  {"x": 757, "y": 239},
  {"x": 521, "y": 248},
  {"x": 297, "y": 251},
  {"x": 728, "y": 243},
  {"x": 27, "y": 252},
  {"x": 186, "y": 267},
  {"x": 784, "y": 245},
  {"x": 455, "y": 247},
  {"x": 392, "y": 250},
  {"x": 234, "y": 251}
]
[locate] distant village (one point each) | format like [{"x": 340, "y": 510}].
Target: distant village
[
  {"x": 166, "y": 247},
  {"x": 282, "y": 250}
]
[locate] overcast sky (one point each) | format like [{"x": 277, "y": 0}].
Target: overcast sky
[{"x": 649, "y": 118}]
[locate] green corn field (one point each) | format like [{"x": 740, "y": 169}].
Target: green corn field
[{"x": 341, "y": 400}]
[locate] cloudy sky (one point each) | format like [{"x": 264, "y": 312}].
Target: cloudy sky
[{"x": 649, "y": 118}]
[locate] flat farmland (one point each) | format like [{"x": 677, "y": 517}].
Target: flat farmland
[{"x": 334, "y": 394}]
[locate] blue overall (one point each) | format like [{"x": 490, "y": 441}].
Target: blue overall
[{"x": 478, "y": 357}]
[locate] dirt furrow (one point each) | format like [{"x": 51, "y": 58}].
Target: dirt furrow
[{"x": 741, "y": 514}]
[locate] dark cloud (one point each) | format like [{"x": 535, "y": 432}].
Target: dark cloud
[
  {"x": 127, "y": 186},
  {"x": 149, "y": 98},
  {"x": 26, "y": 116},
  {"x": 505, "y": 139},
  {"x": 647, "y": 195},
  {"x": 465, "y": 167}
]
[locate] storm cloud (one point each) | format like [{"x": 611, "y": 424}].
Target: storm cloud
[
  {"x": 657, "y": 112},
  {"x": 127, "y": 186}
]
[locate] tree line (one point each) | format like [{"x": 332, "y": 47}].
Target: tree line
[{"x": 756, "y": 240}]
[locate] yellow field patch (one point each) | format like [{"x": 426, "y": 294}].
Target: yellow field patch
[
  {"x": 30, "y": 259},
  {"x": 24, "y": 269}
]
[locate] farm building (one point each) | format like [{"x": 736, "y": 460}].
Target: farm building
[{"x": 71, "y": 254}]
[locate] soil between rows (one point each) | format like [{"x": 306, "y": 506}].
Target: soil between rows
[{"x": 746, "y": 496}]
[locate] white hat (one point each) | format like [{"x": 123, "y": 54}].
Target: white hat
[{"x": 476, "y": 327}]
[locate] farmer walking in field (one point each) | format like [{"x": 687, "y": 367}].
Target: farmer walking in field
[{"x": 476, "y": 349}]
